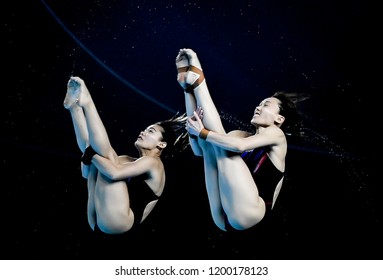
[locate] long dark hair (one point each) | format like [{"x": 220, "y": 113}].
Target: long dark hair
[
  {"x": 175, "y": 135},
  {"x": 288, "y": 109}
]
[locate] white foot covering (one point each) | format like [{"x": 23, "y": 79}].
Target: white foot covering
[
  {"x": 189, "y": 70},
  {"x": 191, "y": 78},
  {"x": 182, "y": 61},
  {"x": 182, "y": 64},
  {"x": 193, "y": 59}
]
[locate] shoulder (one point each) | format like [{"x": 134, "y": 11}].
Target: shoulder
[
  {"x": 124, "y": 159},
  {"x": 240, "y": 133},
  {"x": 150, "y": 161},
  {"x": 145, "y": 164},
  {"x": 273, "y": 135},
  {"x": 142, "y": 164},
  {"x": 273, "y": 131}
]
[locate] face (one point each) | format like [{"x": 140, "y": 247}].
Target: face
[
  {"x": 150, "y": 137},
  {"x": 267, "y": 113}
]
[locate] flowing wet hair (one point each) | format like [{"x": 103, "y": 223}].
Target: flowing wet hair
[
  {"x": 175, "y": 135},
  {"x": 289, "y": 110}
]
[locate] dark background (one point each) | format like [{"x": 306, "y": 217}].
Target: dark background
[{"x": 330, "y": 205}]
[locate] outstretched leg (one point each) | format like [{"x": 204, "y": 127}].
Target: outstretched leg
[
  {"x": 82, "y": 137},
  {"x": 197, "y": 81},
  {"x": 78, "y": 119},
  {"x": 212, "y": 184},
  {"x": 98, "y": 137},
  {"x": 200, "y": 147},
  {"x": 91, "y": 207},
  {"x": 90, "y": 130},
  {"x": 77, "y": 114},
  {"x": 182, "y": 64}
]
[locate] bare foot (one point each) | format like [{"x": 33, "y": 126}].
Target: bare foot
[
  {"x": 73, "y": 93},
  {"x": 84, "y": 95},
  {"x": 77, "y": 93}
]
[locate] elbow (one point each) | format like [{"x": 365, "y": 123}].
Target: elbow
[
  {"x": 112, "y": 175},
  {"x": 239, "y": 148},
  {"x": 237, "y": 145}
]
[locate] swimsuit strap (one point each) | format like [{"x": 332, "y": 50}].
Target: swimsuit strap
[{"x": 263, "y": 158}]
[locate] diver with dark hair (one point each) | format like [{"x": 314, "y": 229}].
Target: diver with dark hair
[
  {"x": 244, "y": 171},
  {"x": 122, "y": 190}
]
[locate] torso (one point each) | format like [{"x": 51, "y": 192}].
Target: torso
[
  {"x": 265, "y": 173},
  {"x": 114, "y": 199}
]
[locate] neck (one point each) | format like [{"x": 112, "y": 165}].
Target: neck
[{"x": 151, "y": 153}]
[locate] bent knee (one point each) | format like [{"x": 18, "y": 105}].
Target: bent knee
[
  {"x": 242, "y": 224},
  {"x": 247, "y": 220}
]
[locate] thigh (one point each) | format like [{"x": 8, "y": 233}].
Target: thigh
[
  {"x": 212, "y": 184},
  {"x": 91, "y": 210}
]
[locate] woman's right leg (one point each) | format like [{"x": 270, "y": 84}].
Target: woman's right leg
[
  {"x": 82, "y": 138},
  {"x": 91, "y": 210},
  {"x": 182, "y": 64},
  {"x": 77, "y": 115},
  {"x": 113, "y": 214},
  {"x": 187, "y": 66},
  {"x": 211, "y": 118},
  {"x": 202, "y": 148},
  {"x": 238, "y": 193},
  {"x": 98, "y": 137},
  {"x": 212, "y": 184},
  {"x": 78, "y": 120}
]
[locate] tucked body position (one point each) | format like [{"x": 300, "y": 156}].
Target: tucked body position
[
  {"x": 244, "y": 171},
  {"x": 122, "y": 190}
]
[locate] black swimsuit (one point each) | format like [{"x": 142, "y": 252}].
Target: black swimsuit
[
  {"x": 140, "y": 194},
  {"x": 265, "y": 174}
]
